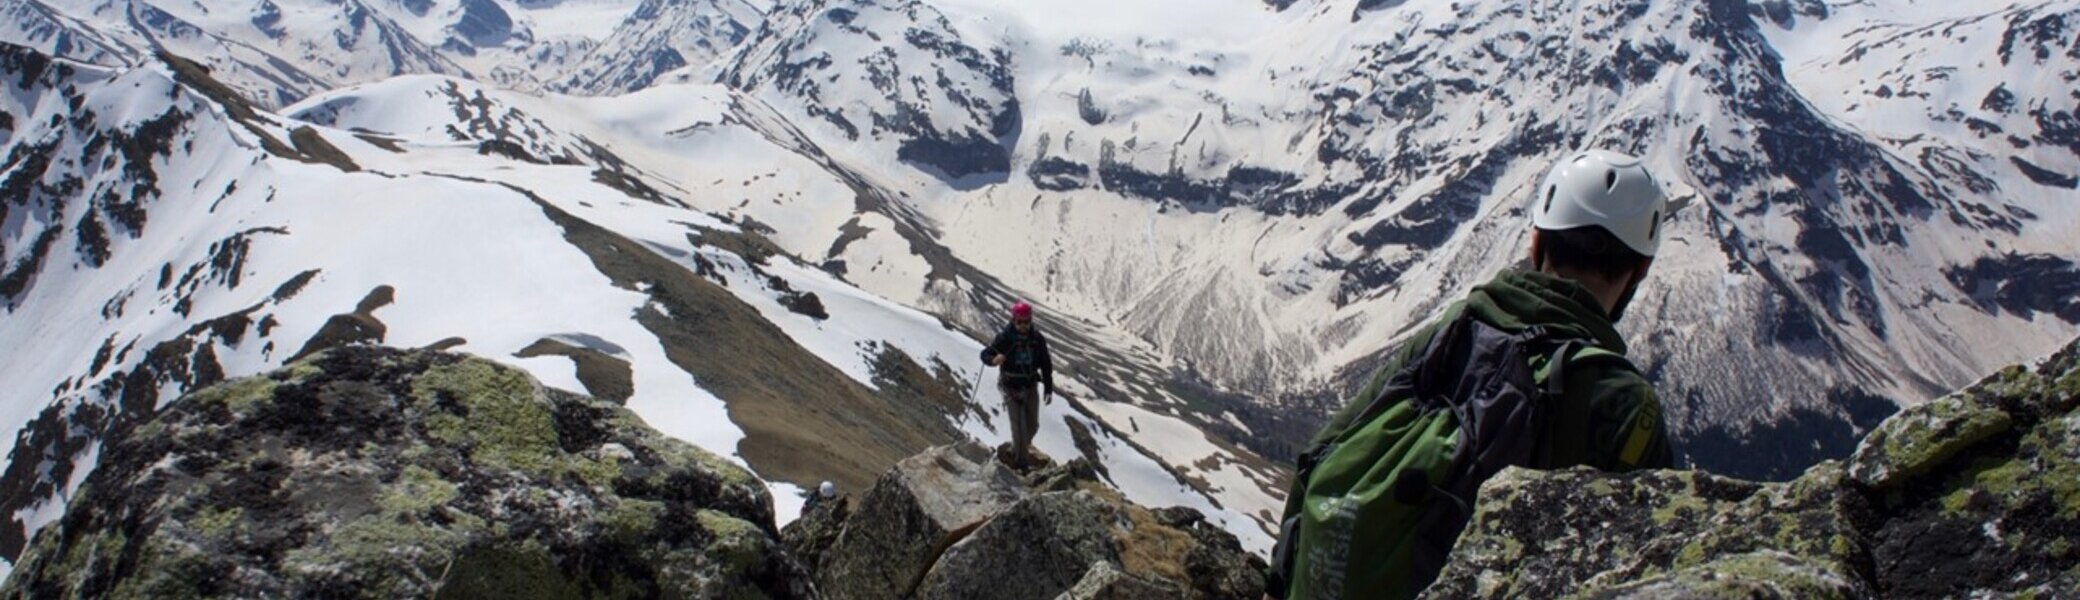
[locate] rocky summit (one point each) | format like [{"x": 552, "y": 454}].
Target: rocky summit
[
  {"x": 1976, "y": 494},
  {"x": 366, "y": 472},
  {"x": 955, "y": 523},
  {"x": 370, "y": 472}
]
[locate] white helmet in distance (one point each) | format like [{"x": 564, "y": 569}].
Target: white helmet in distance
[
  {"x": 827, "y": 490},
  {"x": 1605, "y": 189}
]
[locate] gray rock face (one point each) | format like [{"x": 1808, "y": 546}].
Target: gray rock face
[
  {"x": 953, "y": 523},
  {"x": 958, "y": 127},
  {"x": 368, "y": 472},
  {"x": 1972, "y": 495},
  {"x": 377, "y": 473},
  {"x": 1106, "y": 582},
  {"x": 1032, "y": 551},
  {"x": 811, "y": 536},
  {"x": 916, "y": 510},
  {"x": 483, "y": 23}
]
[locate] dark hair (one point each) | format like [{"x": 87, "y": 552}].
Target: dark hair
[{"x": 1589, "y": 248}]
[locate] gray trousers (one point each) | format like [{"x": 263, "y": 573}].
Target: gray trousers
[{"x": 1022, "y": 400}]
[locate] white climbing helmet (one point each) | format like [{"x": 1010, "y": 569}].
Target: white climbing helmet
[
  {"x": 1606, "y": 189},
  {"x": 828, "y": 490}
]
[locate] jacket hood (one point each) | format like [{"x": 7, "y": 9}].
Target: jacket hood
[{"x": 1516, "y": 299}]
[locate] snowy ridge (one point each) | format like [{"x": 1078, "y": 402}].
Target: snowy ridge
[
  {"x": 898, "y": 73},
  {"x": 662, "y": 36},
  {"x": 37, "y": 25},
  {"x": 122, "y": 32},
  {"x": 278, "y": 52},
  {"x": 241, "y": 250}
]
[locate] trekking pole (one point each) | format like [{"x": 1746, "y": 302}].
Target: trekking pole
[{"x": 975, "y": 391}]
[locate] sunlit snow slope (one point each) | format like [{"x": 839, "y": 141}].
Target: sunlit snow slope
[
  {"x": 1227, "y": 210},
  {"x": 163, "y": 235}
]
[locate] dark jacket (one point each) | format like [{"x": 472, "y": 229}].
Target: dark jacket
[
  {"x": 1026, "y": 358},
  {"x": 1607, "y": 418}
]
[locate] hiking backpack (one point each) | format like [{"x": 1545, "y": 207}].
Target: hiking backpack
[{"x": 1383, "y": 501}]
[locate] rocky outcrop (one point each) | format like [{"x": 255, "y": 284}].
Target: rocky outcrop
[
  {"x": 379, "y": 473},
  {"x": 370, "y": 472},
  {"x": 913, "y": 513},
  {"x": 1971, "y": 495},
  {"x": 955, "y": 523}
]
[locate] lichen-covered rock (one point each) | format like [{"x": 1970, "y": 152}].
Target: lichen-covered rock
[
  {"x": 1999, "y": 516},
  {"x": 914, "y": 512},
  {"x": 1105, "y": 581},
  {"x": 1764, "y": 575},
  {"x": 1973, "y": 495},
  {"x": 1922, "y": 437},
  {"x": 1540, "y": 534},
  {"x": 1064, "y": 533},
  {"x": 376, "y": 473},
  {"x": 811, "y": 536}
]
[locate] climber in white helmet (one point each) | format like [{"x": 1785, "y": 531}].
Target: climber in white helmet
[
  {"x": 1379, "y": 496},
  {"x": 825, "y": 492}
]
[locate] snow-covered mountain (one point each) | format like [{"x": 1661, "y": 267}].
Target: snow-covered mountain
[
  {"x": 1226, "y": 209},
  {"x": 214, "y": 240},
  {"x": 660, "y": 37},
  {"x": 1268, "y": 195},
  {"x": 276, "y": 52}
]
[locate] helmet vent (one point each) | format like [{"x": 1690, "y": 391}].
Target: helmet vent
[
  {"x": 1654, "y": 232},
  {"x": 1610, "y": 180},
  {"x": 1551, "y": 190}
]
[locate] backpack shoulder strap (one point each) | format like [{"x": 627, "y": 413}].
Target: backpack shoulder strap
[
  {"x": 1411, "y": 375},
  {"x": 1597, "y": 355},
  {"x": 1570, "y": 349},
  {"x": 1593, "y": 353}
]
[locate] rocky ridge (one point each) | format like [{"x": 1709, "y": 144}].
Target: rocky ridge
[
  {"x": 1971, "y": 495},
  {"x": 381, "y": 473},
  {"x": 955, "y": 522},
  {"x": 367, "y": 471}
]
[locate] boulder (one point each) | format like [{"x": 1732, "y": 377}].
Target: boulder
[
  {"x": 1976, "y": 494},
  {"x": 811, "y": 536},
  {"x": 1032, "y": 551},
  {"x": 367, "y": 472},
  {"x": 1762, "y": 575},
  {"x": 1104, "y": 581},
  {"x": 1062, "y": 532},
  {"x": 912, "y": 514}
]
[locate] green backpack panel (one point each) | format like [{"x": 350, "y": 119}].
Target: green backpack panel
[{"x": 1382, "y": 502}]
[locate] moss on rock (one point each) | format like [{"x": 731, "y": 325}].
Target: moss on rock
[
  {"x": 517, "y": 571},
  {"x": 417, "y": 491},
  {"x": 501, "y": 419},
  {"x": 368, "y": 472},
  {"x": 1922, "y": 438},
  {"x": 240, "y": 395},
  {"x": 631, "y": 518},
  {"x": 1976, "y": 494},
  {"x": 1763, "y": 575}
]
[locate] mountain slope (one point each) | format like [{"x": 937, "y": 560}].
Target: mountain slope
[
  {"x": 662, "y": 36},
  {"x": 1227, "y": 210},
  {"x": 1321, "y": 176},
  {"x": 896, "y": 73},
  {"x": 280, "y": 51},
  {"x": 170, "y": 236}
]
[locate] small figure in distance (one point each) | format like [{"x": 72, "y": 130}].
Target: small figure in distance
[{"x": 1025, "y": 374}]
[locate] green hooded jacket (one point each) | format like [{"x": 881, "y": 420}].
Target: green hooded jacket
[{"x": 1608, "y": 417}]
